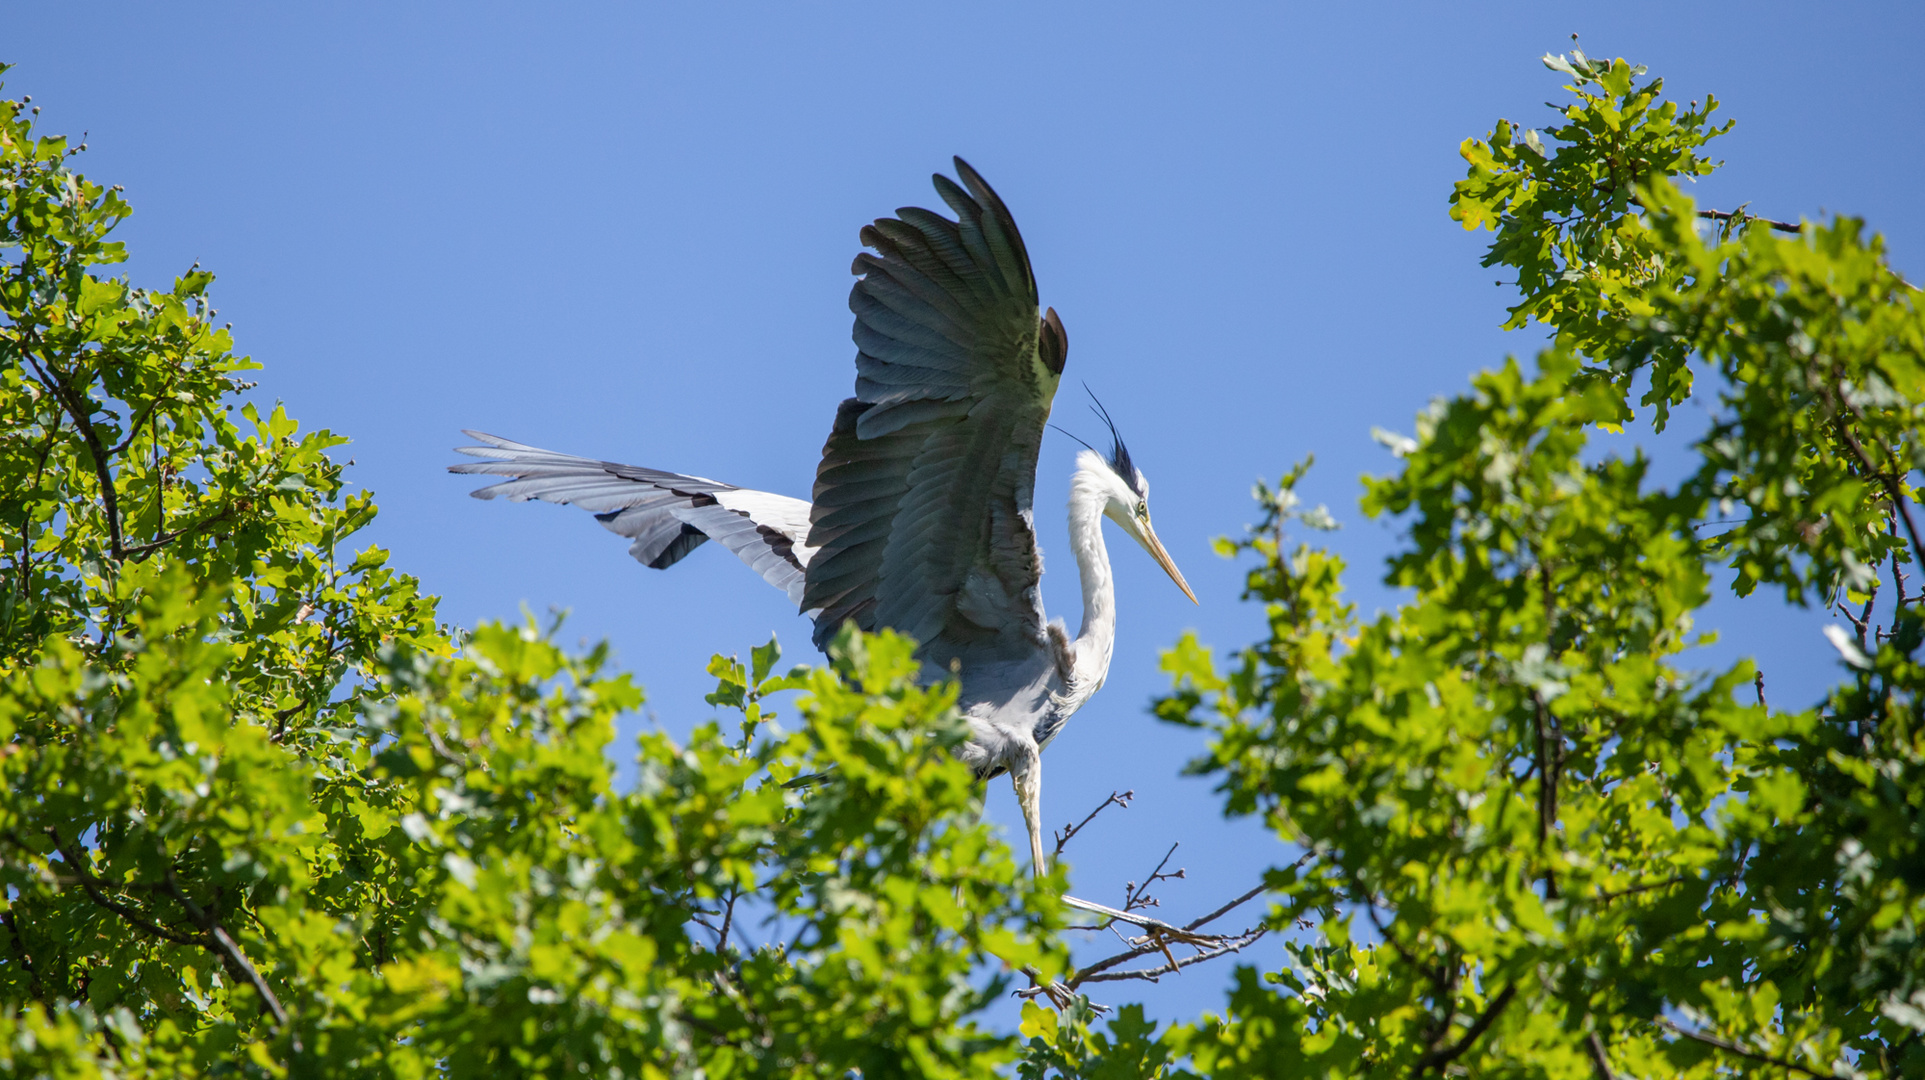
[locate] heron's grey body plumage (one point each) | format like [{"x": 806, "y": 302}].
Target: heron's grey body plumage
[{"x": 921, "y": 518}]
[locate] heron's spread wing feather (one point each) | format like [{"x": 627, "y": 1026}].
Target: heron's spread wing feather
[
  {"x": 921, "y": 516},
  {"x": 666, "y": 515}
]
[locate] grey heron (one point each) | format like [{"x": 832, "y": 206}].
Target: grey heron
[{"x": 921, "y": 518}]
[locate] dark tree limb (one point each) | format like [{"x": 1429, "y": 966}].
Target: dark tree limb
[
  {"x": 224, "y": 945},
  {"x": 83, "y": 422},
  {"x": 728, "y": 918},
  {"x": 1595, "y": 1046},
  {"x": 1447, "y": 1054}
]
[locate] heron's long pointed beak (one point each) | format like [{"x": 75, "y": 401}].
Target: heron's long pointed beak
[{"x": 1169, "y": 565}]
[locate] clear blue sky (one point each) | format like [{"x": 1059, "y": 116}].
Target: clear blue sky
[{"x": 625, "y": 231}]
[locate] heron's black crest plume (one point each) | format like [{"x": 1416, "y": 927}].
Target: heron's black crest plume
[{"x": 1120, "y": 455}]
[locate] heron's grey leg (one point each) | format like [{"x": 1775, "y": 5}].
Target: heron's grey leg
[{"x": 1027, "y": 777}]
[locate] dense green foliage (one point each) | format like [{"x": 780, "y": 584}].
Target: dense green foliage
[
  {"x": 265, "y": 816},
  {"x": 1539, "y": 842}
]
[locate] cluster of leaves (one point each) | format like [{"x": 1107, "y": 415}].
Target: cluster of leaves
[
  {"x": 266, "y": 817},
  {"x": 1535, "y": 842}
]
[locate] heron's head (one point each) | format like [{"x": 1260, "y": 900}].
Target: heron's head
[{"x": 1125, "y": 492}]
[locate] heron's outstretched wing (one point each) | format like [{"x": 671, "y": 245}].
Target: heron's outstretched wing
[
  {"x": 922, "y": 517},
  {"x": 667, "y": 515}
]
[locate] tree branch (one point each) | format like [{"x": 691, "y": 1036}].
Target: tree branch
[
  {"x": 1157, "y": 939},
  {"x": 1087, "y": 974},
  {"x": 158, "y": 542},
  {"x": 728, "y": 918},
  {"x": 24, "y": 564},
  {"x": 1546, "y": 788},
  {"x": 1745, "y": 1052},
  {"x": 1889, "y": 483},
  {"x": 83, "y": 422},
  {"x": 92, "y": 886},
  {"x": 1741, "y": 217},
  {"x": 224, "y": 945},
  {"x": 1234, "y": 944},
  {"x": 1069, "y": 832},
  {"x": 1135, "y": 897},
  {"x": 1448, "y": 1054},
  {"x": 1595, "y": 1046}
]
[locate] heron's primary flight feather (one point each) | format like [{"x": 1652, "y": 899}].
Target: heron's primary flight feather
[
  {"x": 667, "y": 515},
  {"x": 922, "y": 511}
]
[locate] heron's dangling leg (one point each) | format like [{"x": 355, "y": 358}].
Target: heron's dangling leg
[{"x": 1027, "y": 777}]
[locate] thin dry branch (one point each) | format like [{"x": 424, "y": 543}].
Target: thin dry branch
[
  {"x": 1135, "y": 897},
  {"x": 1069, "y": 831},
  {"x": 1230, "y": 945},
  {"x": 1158, "y": 938}
]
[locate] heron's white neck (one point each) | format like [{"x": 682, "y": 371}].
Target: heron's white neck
[{"x": 1088, "y": 495}]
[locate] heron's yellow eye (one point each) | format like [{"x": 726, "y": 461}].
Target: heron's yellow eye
[{"x": 1143, "y": 510}]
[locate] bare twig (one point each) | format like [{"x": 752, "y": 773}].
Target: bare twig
[
  {"x": 1743, "y": 1051},
  {"x": 1069, "y": 831},
  {"x": 1135, "y": 897},
  {"x": 1737, "y": 215},
  {"x": 1230, "y": 945},
  {"x": 1758, "y": 683},
  {"x": 1227, "y": 908}
]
